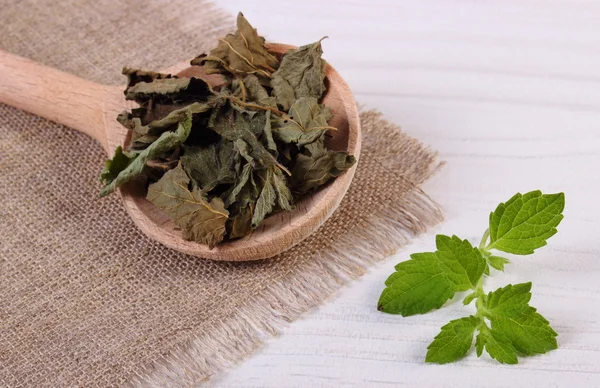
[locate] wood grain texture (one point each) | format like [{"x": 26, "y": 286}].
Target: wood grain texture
[
  {"x": 509, "y": 93},
  {"x": 92, "y": 108}
]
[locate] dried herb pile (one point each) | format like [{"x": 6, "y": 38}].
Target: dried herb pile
[{"x": 219, "y": 160}]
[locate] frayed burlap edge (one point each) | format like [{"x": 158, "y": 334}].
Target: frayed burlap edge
[{"x": 267, "y": 314}]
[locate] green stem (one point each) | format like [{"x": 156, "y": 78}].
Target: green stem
[
  {"x": 480, "y": 300},
  {"x": 484, "y": 239}
]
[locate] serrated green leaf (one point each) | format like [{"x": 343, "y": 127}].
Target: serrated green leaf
[
  {"x": 508, "y": 310},
  {"x": 486, "y": 270},
  {"x": 418, "y": 286},
  {"x": 166, "y": 142},
  {"x": 469, "y": 298},
  {"x": 429, "y": 279},
  {"x": 464, "y": 263},
  {"x": 498, "y": 346},
  {"x": 497, "y": 262},
  {"x": 525, "y": 222},
  {"x": 453, "y": 341},
  {"x": 528, "y": 331},
  {"x": 479, "y": 344},
  {"x": 507, "y": 299}
]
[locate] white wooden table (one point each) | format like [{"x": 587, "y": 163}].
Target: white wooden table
[{"x": 509, "y": 93}]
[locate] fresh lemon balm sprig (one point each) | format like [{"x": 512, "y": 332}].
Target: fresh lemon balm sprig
[{"x": 504, "y": 324}]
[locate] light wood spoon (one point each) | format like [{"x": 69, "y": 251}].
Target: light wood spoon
[{"x": 92, "y": 109}]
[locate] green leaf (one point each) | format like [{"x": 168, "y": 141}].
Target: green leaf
[
  {"x": 240, "y": 54},
  {"x": 306, "y": 122},
  {"x": 453, "y": 341},
  {"x": 165, "y": 143},
  {"x": 509, "y": 298},
  {"x": 508, "y": 310},
  {"x": 429, "y": 279},
  {"x": 479, "y": 344},
  {"x": 498, "y": 346},
  {"x": 469, "y": 298},
  {"x": 497, "y": 262},
  {"x": 464, "y": 263},
  {"x": 528, "y": 331},
  {"x": 199, "y": 220},
  {"x": 419, "y": 285},
  {"x": 316, "y": 165},
  {"x": 301, "y": 74},
  {"x": 525, "y": 222}
]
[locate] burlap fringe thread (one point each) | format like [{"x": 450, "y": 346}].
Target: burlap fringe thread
[{"x": 239, "y": 335}]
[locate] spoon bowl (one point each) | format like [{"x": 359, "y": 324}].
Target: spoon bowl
[{"x": 92, "y": 108}]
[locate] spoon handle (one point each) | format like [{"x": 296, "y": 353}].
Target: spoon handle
[{"x": 53, "y": 94}]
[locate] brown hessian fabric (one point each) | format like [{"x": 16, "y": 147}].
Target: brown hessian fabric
[{"x": 85, "y": 298}]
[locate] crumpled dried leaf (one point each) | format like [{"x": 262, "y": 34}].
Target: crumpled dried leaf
[
  {"x": 141, "y": 142},
  {"x": 267, "y": 135},
  {"x": 307, "y": 121},
  {"x": 199, "y": 220},
  {"x": 219, "y": 160},
  {"x": 166, "y": 163},
  {"x": 121, "y": 173},
  {"x": 265, "y": 202},
  {"x": 210, "y": 166},
  {"x": 316, "y": 165},
  {"x": 120, "y": 161},
  {"x": 250, "y": 89},
  {"x": 241, "y": 223},
  {"x": 161, "y": 125},
  {"x": 240, "y": 54},
  {"x": 284, "y": 195},
  {"x": 244, "y": 191},
  {"x": 301, "y": 74},
  {"x": 238, "y": 128},
  {"x": 135, "y": 76},
  {"x": 180, "y": 89},
  {"x": 274, "y": 192}
]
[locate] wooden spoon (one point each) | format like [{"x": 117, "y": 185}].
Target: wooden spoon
[{"x": 92, "y": 109}]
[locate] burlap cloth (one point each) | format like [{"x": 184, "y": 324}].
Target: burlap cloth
[{"x": 85, "y": 298}]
